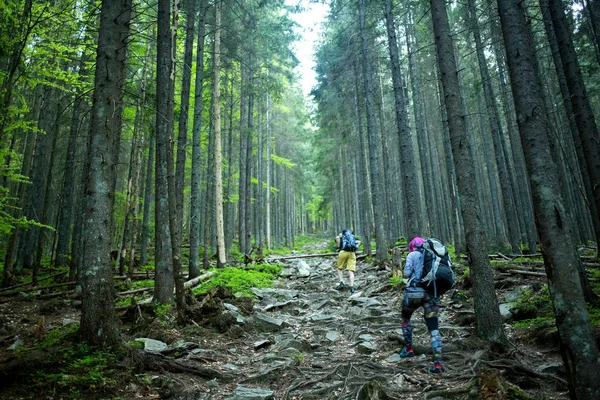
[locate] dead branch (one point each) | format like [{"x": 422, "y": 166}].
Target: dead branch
[
  {"x": 193, "y": 282},
  {"x": 135, "y": 291},
  {"x": 531, "y": 273},
  {"x": 8, "y": 289}
]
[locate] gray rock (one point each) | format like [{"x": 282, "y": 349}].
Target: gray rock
[
  {"x": 268, "y": 323},
  {"x": 262, "y": 344},
  {"x": 18, "y": 343},
  {"x": 366, "y": 337},
  {"x": 516, "y": 293},
  {"x": 303, "y": 270},
  {"x": 152, "y": 345},
  {"x": 231, "y": 307},
  {"x": 320, "y": 304},
  {"x": 236, "y": 315},
  {"x": 279, "y": 304},
  {"x": 246, "y": 393},
  {"x": 182, "y": 345},
  {"x": 552, "y": 368},
  {"x": 286, "y": 272},
  {"x": 299, "y": 344},
  {"x": 394, "y": 358},
  {"x": 366, "y": 348},
  {"x": 321, "y": 317},
  {"x": 67, "y": 321},
  {"x": 276, "y": 293},
  {"x": 288, "y": 352},
  {"x": 229, "y": 366},
  {"x": 505, "y": 311},
  {"x": 333, "y": 336}
]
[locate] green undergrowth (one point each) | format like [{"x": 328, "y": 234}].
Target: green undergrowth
[
  {"x": 278, "y": 251},
  {"x": 71, "y": 369},
  {"x": 306, "y": 243},
  {"x": 240, "y": 281}
]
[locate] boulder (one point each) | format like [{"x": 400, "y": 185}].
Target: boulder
[
  {"x": 152, "y": 345},
  {"x": 246, "y": 393},
  {"x": 303, "y": 269}
]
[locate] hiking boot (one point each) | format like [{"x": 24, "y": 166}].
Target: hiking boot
[
  {"x": 352, "y": 289},
  {"x": 407, "y": 353},
  {"x": 437, "y": 368},
  {"x": 340, "y": 286}
]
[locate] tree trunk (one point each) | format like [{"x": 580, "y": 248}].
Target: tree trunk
[
  {"x": 194, "y": 266},
  {"x": 380, "y": 239},
  {"x": 99, "y": 326},
  {"x": 221, "y": 258},
  {"x": 487, "y": 313},
  {"x": 163, "y": 288},
  {"x": 580, "y": 354},
  {"x": 146, "y": 232},
  {"x": 412, "y": 203},
  {"x": 496, "y": 132},
  {"x": 584, "y": 117},
  {"x": 190, "y": 18}
]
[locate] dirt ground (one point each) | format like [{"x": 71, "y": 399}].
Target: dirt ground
[{"x": 306, "y": 340}]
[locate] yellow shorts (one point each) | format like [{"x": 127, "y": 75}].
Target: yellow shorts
[{"x": 347, "y": 258}]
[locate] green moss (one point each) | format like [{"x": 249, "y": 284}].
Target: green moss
[
  {"x": 280, "y": 251},
  {"x": 71, "y": 369},
  {"x": 134, "y": 344},
  {"x": 143, "y": 284},
  {"x": 595, "y": 316},
  {"x": 273, "y": 269},
  {"x": 237, "y": 280}
]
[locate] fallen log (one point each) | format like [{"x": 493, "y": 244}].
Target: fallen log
[
  {"x": 531, "y": 273},
  {"x": 8, "y": 289},
  {"x": 195, "y": 281},
  {"x": 134, "y": 291},
  {"x": 40, "y": 288}
]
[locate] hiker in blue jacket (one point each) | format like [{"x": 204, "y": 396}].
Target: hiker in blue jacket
[{"x": 414, "y": 297}]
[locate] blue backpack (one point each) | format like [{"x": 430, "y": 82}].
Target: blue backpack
[{"x": 348, "y": 241}]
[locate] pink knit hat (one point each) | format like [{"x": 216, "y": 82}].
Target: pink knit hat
[{"x": 416, "y": 242}]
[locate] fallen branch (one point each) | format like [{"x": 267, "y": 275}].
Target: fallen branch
[
  {"x": 41, "y": 288},
  {"x": 8, "y": 289},
  {"x": 518, "y": 271},
  {"x": 145, "y": 289},
  {"x": 195, "y": 281}
]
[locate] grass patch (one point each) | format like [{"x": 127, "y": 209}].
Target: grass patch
[{"x": 238, "y": 280}]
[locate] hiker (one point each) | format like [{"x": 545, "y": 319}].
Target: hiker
[
  {"x": 347, "y": 245},
  {"x": 415, "y": 296}
]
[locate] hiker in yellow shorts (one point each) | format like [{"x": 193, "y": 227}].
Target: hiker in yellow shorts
[{"x": 347, "y": 244}]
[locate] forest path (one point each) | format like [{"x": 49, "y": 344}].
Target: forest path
[
  {"x": 321, "y": 343},
  {"x": 303, "y": 339}
]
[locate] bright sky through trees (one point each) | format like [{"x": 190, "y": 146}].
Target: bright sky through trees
[{"x": 309, "y": 21}]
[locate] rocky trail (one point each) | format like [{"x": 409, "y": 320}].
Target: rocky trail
[{"x": 304, "y": 339}]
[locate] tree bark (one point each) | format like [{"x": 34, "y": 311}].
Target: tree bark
[
  {"x": 412, "y": 202},
  {"x": 194, "y": 265},
  {"x": 584, "y": 116},
  {"x": 487, "y": 314},
  {"x": 580, "y": 354},
  {"x": 221, "y": 258},
  {"x": 99, "y": 325},
  {"x": 163, "y": 288},
  {"x": 380, "y": 239}
]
